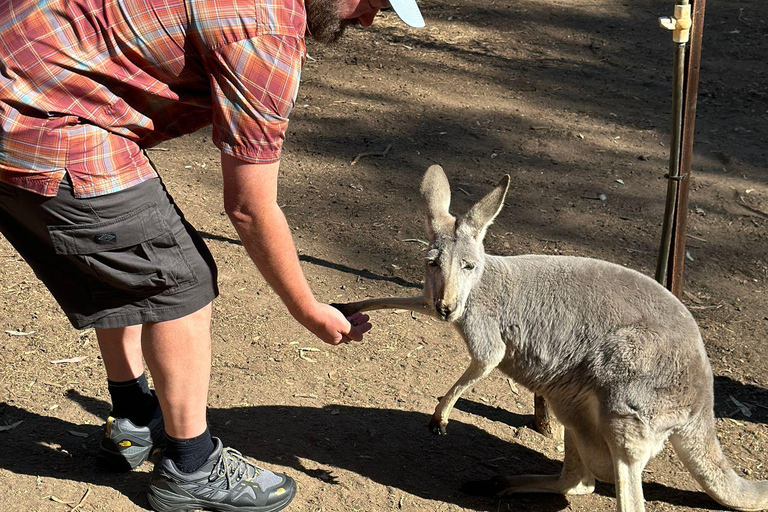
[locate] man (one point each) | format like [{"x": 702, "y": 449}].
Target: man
[{"x": 85, "y": 86}]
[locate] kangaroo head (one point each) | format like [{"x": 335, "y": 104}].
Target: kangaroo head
[{"x": 456, "y": 257}]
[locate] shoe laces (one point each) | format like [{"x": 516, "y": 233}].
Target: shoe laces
[{"x": 234, "y": 467}]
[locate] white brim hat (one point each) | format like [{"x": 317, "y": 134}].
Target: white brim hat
[{"x": 408, "y": 11}]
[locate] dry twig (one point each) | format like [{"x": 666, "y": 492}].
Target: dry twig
[
  {"x": 82, "y": 500},
  {"x": 375, "y": 153},
  {"x": 751, "y": 208},
  {"x": 416, "y": 240},
  {"x": 308, "y": 349},
  {"x": 20, "y": 333}
]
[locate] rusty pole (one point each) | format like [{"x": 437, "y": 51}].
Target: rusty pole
[
  {"x": 687, "y": 25},
  {"x": 677, "y": 254}
]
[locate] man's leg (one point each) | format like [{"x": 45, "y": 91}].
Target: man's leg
[
  {"x": 135, "y": 424},
  {"x": 197, "y": 471},
  {"x": 178, "y": 353},
  {"x": 127, "y": 383},
  {"x": 121, "y": 352}
]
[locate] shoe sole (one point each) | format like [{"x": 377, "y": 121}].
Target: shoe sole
[{"x": 166, "y": 502}]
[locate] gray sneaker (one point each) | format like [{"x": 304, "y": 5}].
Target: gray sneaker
[
  {"x": 125, "y": 445},
  {"x": 227, "y": 482}
]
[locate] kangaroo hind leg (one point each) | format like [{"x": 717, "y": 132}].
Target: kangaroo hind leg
[
  {"x": 632, "y": 446},
  {"x": 575, "y": 478}
]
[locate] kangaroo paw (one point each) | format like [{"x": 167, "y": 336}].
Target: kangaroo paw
[
  {"x": 557, "y": 484},
  {"x": 437, "y": 427},
  {"x": 347, "y": 309}
]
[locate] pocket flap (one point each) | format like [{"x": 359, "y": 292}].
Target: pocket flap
[{"x": 127, "y": 230}]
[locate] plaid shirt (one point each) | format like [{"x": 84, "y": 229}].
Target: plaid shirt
[{"x": 86, "y": 85}]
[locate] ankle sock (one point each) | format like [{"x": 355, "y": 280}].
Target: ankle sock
[
  {"x": 189, "y": 454},
  {"x": 133, "y": 399}
]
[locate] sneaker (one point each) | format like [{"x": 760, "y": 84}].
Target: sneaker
[
  {"x": 125, "y": 445},
  {"x": 227, "y": 482}
]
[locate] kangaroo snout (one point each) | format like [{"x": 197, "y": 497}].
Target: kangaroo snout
[{"x": 443, "y": 309}]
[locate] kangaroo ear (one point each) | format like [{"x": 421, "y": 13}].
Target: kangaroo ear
[
  {"x": 437, "y": 196},
  {"x": 481, "y": 215}
]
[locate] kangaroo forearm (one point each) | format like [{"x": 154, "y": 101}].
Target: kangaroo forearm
[{"x": 408, "y": 303}]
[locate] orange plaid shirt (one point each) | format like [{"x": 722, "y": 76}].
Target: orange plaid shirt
[{"x": 86, "y": 85}]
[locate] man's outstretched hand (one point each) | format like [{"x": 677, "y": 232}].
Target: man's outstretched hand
[{"x": 331, "y": 326}]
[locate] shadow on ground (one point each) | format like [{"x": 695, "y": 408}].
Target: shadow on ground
[
  {"x": 734, "y": 399},
  {"x": 390, "y": 447},
  {"x": 363, "y": 273}
]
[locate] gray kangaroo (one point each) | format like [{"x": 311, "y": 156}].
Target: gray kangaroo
[{"x": 619, "y": 359}]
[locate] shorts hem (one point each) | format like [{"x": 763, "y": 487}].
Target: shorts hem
[{"x": 144, "y": 316}]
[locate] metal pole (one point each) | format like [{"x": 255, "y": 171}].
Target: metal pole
[
  {"x": 680, "y": 25},
  {"x": 677, "y": 256}
]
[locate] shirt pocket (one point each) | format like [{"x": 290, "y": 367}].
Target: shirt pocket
[{"x": 135, "y": 254}]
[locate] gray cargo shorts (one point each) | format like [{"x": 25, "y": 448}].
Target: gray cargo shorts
[{"x": 115, "y": 260}]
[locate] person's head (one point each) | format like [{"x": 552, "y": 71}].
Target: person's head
[{"x": 327, "y": 19}]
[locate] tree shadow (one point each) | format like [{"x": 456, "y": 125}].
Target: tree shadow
[
  {"x": 362, "y": 273},
  {"x": 45, "y": 446},
  {"x": 749, "y": 397},
  {"x": 498, "y": 414},
  {"x": 378, "y": 444},
  {"x": 654, "y": 491},
  {"x": 390, "y": 447}
]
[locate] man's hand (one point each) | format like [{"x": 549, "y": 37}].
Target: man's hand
[{"x": 328, "y": 324}]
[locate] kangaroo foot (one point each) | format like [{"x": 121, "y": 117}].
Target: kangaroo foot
[{"x": 437, "y": 427}]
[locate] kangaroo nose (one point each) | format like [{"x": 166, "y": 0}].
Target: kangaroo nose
[{"x": 442, "y": 308}]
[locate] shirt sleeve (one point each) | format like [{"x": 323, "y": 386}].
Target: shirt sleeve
[{"x": 254, "y": 83}]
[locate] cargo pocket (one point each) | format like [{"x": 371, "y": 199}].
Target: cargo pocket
[{"x": 135, "y": 254}]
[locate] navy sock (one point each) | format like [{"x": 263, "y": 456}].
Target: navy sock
[
  {"x": 189, "y": 454},
  {"x": 133, "y": 400}
]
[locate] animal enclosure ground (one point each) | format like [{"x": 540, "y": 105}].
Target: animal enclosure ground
[{"x": 571, "y": 98}]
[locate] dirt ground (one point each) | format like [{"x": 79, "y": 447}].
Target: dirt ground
[{"x": 572, "y": 99}]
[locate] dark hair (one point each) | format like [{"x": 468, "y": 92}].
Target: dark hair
[{"x": 323, "y": 20}]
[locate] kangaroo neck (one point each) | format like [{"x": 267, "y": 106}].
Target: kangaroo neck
[{"x": 485, "y": 287}]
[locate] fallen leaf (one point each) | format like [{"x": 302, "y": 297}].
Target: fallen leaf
[
  {"x": 4, "y": 428},
  {"x": 743, "y": 408},
  {"x": 72, "y": 360}
]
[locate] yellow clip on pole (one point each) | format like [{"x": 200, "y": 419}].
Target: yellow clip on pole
[{"x": 679, "y": 24}]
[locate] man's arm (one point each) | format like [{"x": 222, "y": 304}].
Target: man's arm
[{"x": 250, "y": 200}]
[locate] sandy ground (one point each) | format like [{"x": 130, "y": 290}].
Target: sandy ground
[{"x": 572, "y": 100}]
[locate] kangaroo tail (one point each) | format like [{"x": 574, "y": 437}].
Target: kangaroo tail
[{"x": 697, "y": 446}]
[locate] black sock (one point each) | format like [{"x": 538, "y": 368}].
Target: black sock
[
  {"x": 133, "y": 400},
  {"x": 189, "y": 454}
]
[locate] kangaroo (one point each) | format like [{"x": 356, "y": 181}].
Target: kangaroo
[{"x": 619, "y": 359}]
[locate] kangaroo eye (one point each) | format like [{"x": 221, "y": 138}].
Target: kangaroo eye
[
  {"x": 433, "y": 263},
  {"x": 466, "y": 265}
]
